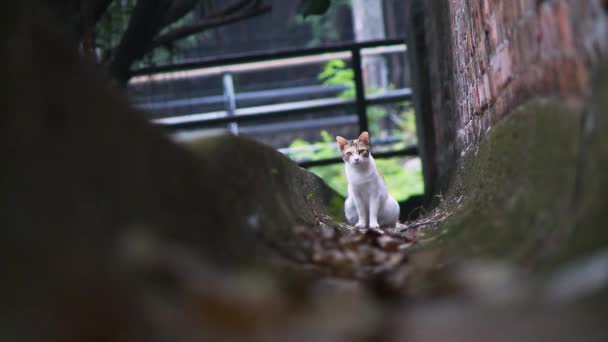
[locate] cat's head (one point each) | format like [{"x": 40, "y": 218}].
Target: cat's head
[{"x": 355, "y": 152}]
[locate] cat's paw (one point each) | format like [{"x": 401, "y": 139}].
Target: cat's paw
[
  {"x": 360, "y": 225},
  {"x": 374, "y": 225}
]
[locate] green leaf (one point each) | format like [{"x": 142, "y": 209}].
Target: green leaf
[{"x": 314, "y": 7}]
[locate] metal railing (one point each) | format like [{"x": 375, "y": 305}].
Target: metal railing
[{"x": 232, "y": 115}]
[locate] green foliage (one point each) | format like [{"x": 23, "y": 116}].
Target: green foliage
[
  {"x": 335, "y": 72},
  {"x": 403, "y": 175},
  {"x": 322, "y": 27},
  {"x": 406, "y": 124},
  {"x": 374, "y": 115},
  {"x": 314, "y": 7},
  {"x": 403, "y": 122},
  {"x": 114, "y": 22}
]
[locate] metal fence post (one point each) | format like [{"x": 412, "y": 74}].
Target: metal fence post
[
  {"x": 359, "y": 89},
  {"x": 230, "y": 101}
]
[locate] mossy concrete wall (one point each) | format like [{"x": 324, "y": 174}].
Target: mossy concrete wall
[
  {"x": 512, "y": 112},
  {"x": 535, "y": 190},
  {"x": 474, "y": 62}
]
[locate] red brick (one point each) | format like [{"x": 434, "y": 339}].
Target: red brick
[
  {"x": 564, "y": 27},
  {"x": 502, "y": 54}
]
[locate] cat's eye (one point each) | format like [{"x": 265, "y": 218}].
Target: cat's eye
[
  {"x": 347, "y": 154},
  {"x": 364, "y": 152}
]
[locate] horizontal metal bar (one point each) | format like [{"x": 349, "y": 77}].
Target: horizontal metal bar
[
  {"x": 322, "y": 123},
  {"x": 207, "y": 71},
  {"x": 275, "y": 110},
  {"x": 259, "y": 95},
  {"x": 408, "y": 151},
  {"x": 265, "y": 55},
  {"x": 253, "y": 113},
  {"x": 389, "y": 96}
]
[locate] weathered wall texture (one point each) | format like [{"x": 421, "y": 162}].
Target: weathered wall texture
[{"x": 477, "y": 60}]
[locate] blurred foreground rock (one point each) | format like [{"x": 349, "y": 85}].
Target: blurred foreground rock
[{"x": 114, "y": 233}]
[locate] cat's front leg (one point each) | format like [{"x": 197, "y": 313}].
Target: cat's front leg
[
  {"x": 350, "y": 211},
  {"x": 374, "y": 204},
  {"x": 360, "y": 205}
]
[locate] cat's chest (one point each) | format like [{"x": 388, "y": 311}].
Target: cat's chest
[
  {"x": 364, "y": 188},
  {"x": 363, "y": 185}
]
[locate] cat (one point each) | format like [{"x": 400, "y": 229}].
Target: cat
[{"x": 368, "y": 204}]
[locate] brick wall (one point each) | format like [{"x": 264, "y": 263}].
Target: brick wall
[{"x": 476, "y": 60}]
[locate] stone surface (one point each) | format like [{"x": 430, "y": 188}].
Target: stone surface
[
  {"x": 113, "y": 233},
  {"x": 479, "y": 60},
  {"x": 534, "y": 191}
]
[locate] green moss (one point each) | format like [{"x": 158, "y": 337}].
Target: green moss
[
  {"x": 591, "y": 199},
  {"x": 535, "y": 191},
  {"x": 334, "y": 208},
  {"x": 517, "y": 186}
]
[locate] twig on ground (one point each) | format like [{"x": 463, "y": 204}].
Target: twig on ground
[{"x": 418, "y": 224}]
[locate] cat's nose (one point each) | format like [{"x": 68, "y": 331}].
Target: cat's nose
[{"x": 356, "y": 158}]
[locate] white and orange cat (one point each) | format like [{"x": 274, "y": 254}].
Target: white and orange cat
[{"x": 368, "y": 205}]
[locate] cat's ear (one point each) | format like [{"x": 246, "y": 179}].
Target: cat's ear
[
  {"x": 341, "y": 142},
  {"x": 364, "y": 138}
]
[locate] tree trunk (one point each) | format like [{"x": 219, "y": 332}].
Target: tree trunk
[{"x": 144, "y": 24}]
